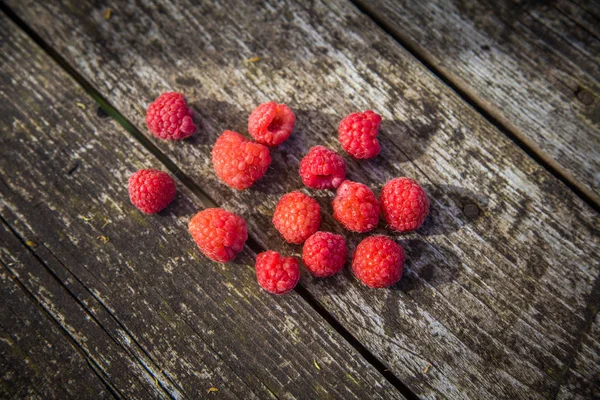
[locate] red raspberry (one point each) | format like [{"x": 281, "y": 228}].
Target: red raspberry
[
  {"x": 404, "y": 204},
  {"x": 324, "y": 254},
  {"x": 168, "y": 117},
  {"x": 276, "y": 274},
  {"x": 219, "y": 234},
  {"x": 238, "y": 161},
  {"x": 271, "y": 123},
  {"x": 378, "y": 261},
  {"x": 151, "y": 190},
  {"x": 356, "y": 207},
  {"x": 322, "y": 168},
  {"x": 296, "y": 217},
  {"x": 358, "y": 134}
]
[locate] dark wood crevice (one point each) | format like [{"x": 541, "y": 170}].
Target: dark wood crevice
[{"x": 114, "y": 391}]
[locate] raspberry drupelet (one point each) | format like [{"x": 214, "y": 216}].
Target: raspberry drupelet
[
  {"x": 378, "y": 261},
  {"x": 296, "y": 217},
  {"x": 358, "y": 134},
  {"x": 356, "y": 207},
  {"x": 169, "y": 117},
  {"x": 324, "y": 254},
  {"x": 322, "y": 168},
  {"x": 271, "y": 123},
  {"x": 151, "y": 190},
  {"x": 239, "y": 162},
  {"x": 219, "y": 234},
  {"x": 277, "y": 274},
  {"x": 404, "y": 204}
]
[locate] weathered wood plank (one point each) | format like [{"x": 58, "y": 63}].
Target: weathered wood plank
[
  {"x": 34, "y": 354},
  {"x": 533, "y": 65},
  {"x": 184, "y": 324},
  {"x": 583, "y": 379},
  {"x": 492, "y": 304}
]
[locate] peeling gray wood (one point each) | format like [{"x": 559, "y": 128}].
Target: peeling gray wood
[
  {"x": 534, "y": 65},
  {"x": 491, "y": 305},
  {"x": 132, "y": 291}
]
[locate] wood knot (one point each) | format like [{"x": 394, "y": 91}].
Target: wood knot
[
  {"x": 471, "y": 210},
  {"x": 584, "y": 96},
  {"x": 101, "y": 113}
]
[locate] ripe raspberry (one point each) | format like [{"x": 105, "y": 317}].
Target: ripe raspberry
[
  {"x": 151, "y": 190},
  {"x": 378, "y": 261},
  {"x": 168, "y": 117},
  {"x": 296, "y": 217},
  {"x": 219, "y": 234},
  {"x": 404, "y": 204},
  {"x": 322, "y": 168},
  {"x": 276, "y": 274},
  {"x": 356, "y": 207},
  {"x": 324, "y": 254},
  {"x": 271, "y": 123},
  {"x": 238, "y": 161},
  {"x": 358, "y": 134}
]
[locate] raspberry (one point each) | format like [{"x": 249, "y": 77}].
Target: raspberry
[
  {"x": 219, "y": 234},
  {"x": 271, "y": 123},
  {"x": 296, "y": 217},
  {"x": 151, "y": 190},
  {"x": 276, "y": 274},
  {"x": 168, "y": 117},
  {"x": 322, "y": 168},
  {"x": 378, "y": 261},
  {"x": 404, "y": 204},
  {"x": 358, "y": 134},
  {"x": 356, "y": 207},
  {"x": 238, "y": 161},
  {"x": 324, "y": 254}
]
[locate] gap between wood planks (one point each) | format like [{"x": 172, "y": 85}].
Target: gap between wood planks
[
  {"x": 485, "y": 109},
  {"x": 206, "y": 200},
  {"x": 95, "y": 367}
]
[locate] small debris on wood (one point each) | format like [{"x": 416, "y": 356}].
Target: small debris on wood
[
  {"x": 106, "y": 222},
  {"x": 212, "y": 389},
  {"x": 426, "y": 369},
  {"x": 107, "y": 13},
  {"x": 86, "y": 218},
  {"x": 30, "y": 243},
  {"x": 103, "y": 238},
  {"x": 81, "y": 105},
  {"x": 253, "y": 60},
  {"x": 317, "y": 365}
]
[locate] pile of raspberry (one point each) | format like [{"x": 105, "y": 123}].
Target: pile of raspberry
[{"x": 377, "y": 261}]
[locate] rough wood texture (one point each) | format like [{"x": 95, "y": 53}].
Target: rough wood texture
[
  {"x": 493, "y": 304},
  {"x": 584, "y": 377},
  {"x": 36, "y": 359},
  {"x": 534, "y": 65},
  {"x": 132, "y": 293}
]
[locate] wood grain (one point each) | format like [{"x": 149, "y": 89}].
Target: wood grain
[
  {"x": 132, "y": 291},
  {"x": 583, "y": 379},
  {"x": 533, "y": 65},
  {"x": 37, "y": 359},
  {"x": 492, "y": 304}
]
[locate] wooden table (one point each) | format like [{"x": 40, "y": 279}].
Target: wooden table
[{"x": 493, "y": 105}]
